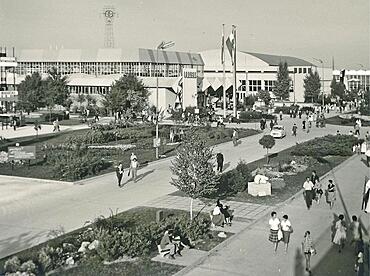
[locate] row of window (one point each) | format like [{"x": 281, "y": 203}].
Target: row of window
[
  {"x": 256, "y": 85},
  {"x": 301, "y": 70},
  {"x": 107, "y": 68}
]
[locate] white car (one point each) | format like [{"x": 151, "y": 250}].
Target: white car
[{"x": 278, "y": 131}]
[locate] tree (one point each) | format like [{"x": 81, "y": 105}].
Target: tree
[
  {"x": 312, "y": 85},
  {"x": 249, "y": 100},
  {"x": 282, "y": 84},
  {"x": 337, "y": 89},
  {"x": 129, "y": 94},
  {"x": 267, "y": 142},
  {"x": 264, "y": 96},
  {"x": 56, "y": 89},
  {"x": 31, "y": 93},
  {"x": 193, "y": 168}
]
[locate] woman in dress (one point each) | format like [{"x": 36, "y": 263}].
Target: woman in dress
[
  {"x": 308, "y": 250},
  {"x": 331, "y": 193},
  {"x": 366, "y": 199},
  {"x": 340, "y": 233},
  {"x": 287, "y": 229},
  {"x": 274, "y": 223}
]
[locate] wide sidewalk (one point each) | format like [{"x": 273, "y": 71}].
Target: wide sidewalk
[
  {"x": 250, "y": 252},
  {"x": 27, "y": 220}
]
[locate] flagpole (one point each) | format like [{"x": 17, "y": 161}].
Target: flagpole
[
  {"x": 223, "y": 68},
  {"x": 234, "y": 86}
]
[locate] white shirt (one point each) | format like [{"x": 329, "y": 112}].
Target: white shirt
[
  {"x": 216, "y": 211},
  {"x": 134, "y": 164},
  {"x": 308, "y": 185},
  {"x": 285, "y": 225},
  {"x": 274, "y": 223}
]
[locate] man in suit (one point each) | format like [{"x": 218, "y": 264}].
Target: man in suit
[{"x": 119, "y": 173}]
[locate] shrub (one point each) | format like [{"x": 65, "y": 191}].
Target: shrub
[
  {"x": 307, "y": 108},
  {"x": 12, "y": 265},
  {"x": 28, "y": 267},
  {"x": 327, "y": 145},
  {"x": 246, "y": 116},
  {"x": 286, "y": 109}
]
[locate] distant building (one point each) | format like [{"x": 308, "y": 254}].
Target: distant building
[
  {"x": 8, "y": 92},
  {"x": 354, "y": 79},
  {"x": 257, "y": 72},
  {"x": 94, "y": 71}
]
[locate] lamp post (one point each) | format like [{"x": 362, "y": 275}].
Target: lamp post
[
  {"x": 322, "y": 67},
  {"x": 163, "y": 45}
]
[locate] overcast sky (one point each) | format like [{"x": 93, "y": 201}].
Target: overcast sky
[{"x": 301, "y": 28}]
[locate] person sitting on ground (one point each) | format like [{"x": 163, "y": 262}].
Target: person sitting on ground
[
  {"x": 217, "y": 217},
  {"x": 167, "y": 243}
]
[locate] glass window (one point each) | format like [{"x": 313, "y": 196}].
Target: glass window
[
  {"x": 255, "y": 85},
  {"x": 299, "y": 70},
  {"x": 295, "y": 70},
  {"x": 269, "y": 85},
  {"x": 304, "y": 70}
]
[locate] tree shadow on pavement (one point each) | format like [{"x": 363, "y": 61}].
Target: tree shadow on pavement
[{"x": 226, "y": 165}]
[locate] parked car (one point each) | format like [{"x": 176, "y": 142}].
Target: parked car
[{"x": 278, "y": 131}]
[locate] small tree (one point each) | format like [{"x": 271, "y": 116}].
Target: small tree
[
  {"x": 264, "y": 96},
  {"x": 282, "y": 84},
  {"x": 193, "y": 167},
  {"x": 312, "y": 85},
  {"x": 337, "y": 89},
  {"x": 80, "y": 100},
  {"x": 31, "y": 93},
  {"x": 267, "y": 142}
]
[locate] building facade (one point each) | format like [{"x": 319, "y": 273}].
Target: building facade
[
  {"x": 257, "y": 72},
  {"x": 8, "y": 91},
  {"x": 354, "y": 79}
]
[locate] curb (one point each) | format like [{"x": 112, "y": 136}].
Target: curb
[
  {"x": 47, "y": 181},
  {"x": 214, "y": 250}
]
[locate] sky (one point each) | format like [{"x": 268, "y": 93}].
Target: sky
[{"x": 319, "y": 29}]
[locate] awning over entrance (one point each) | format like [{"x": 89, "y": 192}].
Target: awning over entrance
[{"x": 216, "y": 83}]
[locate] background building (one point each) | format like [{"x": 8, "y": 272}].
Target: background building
[
  {"x": 354, "y": 79},
  {"x": 257, "y": 72},
  {"x": 8, "y": 92},
  {"x": 94, "y": 71}
]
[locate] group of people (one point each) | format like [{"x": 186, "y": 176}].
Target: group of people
[
  {"x": 221, "y": 215},
  {"x": 172, "y": 244},
  {"x": 312, "y": 190},
  {"x": 134, "y": 165}
]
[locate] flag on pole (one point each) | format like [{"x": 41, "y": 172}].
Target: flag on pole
[
  {"x": 223, "y": 46},
  {"x": 230, "y": 44}
]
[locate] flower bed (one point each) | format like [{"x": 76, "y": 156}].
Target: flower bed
[
  {"x": 65, "y": 156},
  {"x": 134, "y": 233}
]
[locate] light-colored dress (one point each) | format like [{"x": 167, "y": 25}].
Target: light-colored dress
[
  {"x": 340, "y": 233},
  {"x": 367, "y": 204}
]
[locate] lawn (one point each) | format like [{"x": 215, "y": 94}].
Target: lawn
[
  {"x": 41, "y": 168},
  {"x": 130, "y": 220}
]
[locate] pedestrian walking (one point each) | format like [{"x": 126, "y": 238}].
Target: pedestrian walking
[
  {"x": 318, "y": 192},
  {"x": 304, "y": 124},
  {"x": 134, "y": 165},
  {"x": 308, "y": 250},
  {"x": 300, "y": 114},
  {"x": 287, "y": 229},
  {"x": 331, "y": 193},
  {"x": 308, "y": 192},
  {"x": 274, "y": 223},
  {"x": 235, "y": 137},
  {"x": 357, "y": 129},
  {"x": 356, "y": 233},
  {"x": 294, "y": 130},
  {"x": 340, "y": 233},
  {"x": 271, "y": 124},
  {"x": 281, "y": 115},
  {"x": 119, "y": 173},
  {"x": 359, "y": 265},
  {"x": 15, "y": 124},
  {"x": 366, "y": 198},
  {"x": 133, "y": 156},
  {"x": 220, "y": 162}
]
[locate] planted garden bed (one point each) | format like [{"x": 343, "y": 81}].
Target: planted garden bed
[
  {"x": 320, "y": 154},
  {"x": 67, "y": 156},
  {"x": 336, "y": 120},
  {"x": 132, "y": 235}
]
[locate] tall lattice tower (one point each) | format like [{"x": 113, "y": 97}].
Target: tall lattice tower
[{"x": 109, "y": 15}]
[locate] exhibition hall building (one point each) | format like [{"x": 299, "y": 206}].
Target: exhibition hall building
[{"x": 189, "y": 79}]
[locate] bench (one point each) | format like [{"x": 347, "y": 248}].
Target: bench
[{"x": 163, "y": 252}]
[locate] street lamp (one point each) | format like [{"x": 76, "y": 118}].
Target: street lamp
[
  {"x": 163, "y": 45},
  {"x": 322, "y": 66}
]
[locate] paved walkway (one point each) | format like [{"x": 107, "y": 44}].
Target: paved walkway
[
  {"x": 26, "y": 221},
  {"x": 250, "y": 252}
]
